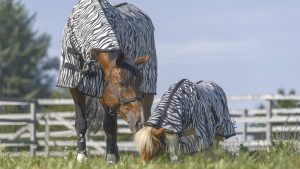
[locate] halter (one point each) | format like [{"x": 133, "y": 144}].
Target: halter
[{"x": 122, "y": 101}]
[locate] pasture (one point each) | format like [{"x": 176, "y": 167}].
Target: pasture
[
  {"x": 55, "y": 134},
  {"x": 280, "y": 155}
]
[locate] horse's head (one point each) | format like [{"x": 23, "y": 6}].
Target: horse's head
[
  {"x": 148, "y": 142},
  {"x": 121, "y": 85}
]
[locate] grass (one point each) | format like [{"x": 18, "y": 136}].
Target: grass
[{"x": 280, "y": 155}]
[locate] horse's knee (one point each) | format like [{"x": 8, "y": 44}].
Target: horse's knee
[
  {"x": 79, "y": 103},
  {"x": 81, "y": 127},
  {"x": 110, "y": 123}
]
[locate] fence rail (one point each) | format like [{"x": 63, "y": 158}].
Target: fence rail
[{"x": 51, "y": 133}]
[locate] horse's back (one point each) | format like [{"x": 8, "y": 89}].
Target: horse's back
[{"x": 210, "y": 89}]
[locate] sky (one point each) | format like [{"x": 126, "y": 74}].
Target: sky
[{"x": 247, "y": 47}]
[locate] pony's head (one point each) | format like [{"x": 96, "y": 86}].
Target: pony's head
[
  {"x": 148, "y": 142},
  {"x": 122, "y": 81}
]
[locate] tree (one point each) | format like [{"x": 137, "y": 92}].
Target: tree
[
  {"x": 24, "y": 64},
  {"x": 286, "y": 103},
  {"x": 283, "y": 103}
]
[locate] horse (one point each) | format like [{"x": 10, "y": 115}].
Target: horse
[
  {"x": 109, "y": 65},
  {"x": 186, "y": 120}
]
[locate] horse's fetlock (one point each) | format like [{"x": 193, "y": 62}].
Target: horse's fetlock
[
  {"x": 81, "y": 156},
  {"x": 111, "y": 158}
]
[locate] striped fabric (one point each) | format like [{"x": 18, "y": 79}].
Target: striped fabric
[
  {"x": 197, "y": 112},
  {"x": 96, "y": 24}
]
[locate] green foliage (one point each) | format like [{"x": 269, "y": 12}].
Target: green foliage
[
  {"x": 286, "y": 103},
  {"x": 283, "y": 103},
  {"x": 24, "y": 64}
]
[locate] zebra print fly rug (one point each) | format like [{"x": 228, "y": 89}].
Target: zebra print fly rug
[
  {"x": 96, "y": 24},
  {"x": 197, "y": 112}
]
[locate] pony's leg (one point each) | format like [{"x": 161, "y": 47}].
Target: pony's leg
[
  {"x": 211, "y": 151},
  {"x": 80, "y": 122},
  {"x": 173, "y": 146},
  {"x": 147, "y": 102},
  {"x": 110, "y": 128},
  {"x": 217, "y": 141}
]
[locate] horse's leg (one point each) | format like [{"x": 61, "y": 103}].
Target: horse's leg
[
  {"x": 217, "y": 141},
  {"x": 80, "y": 122},
  {"x": 110, "y": 128},
  {"x": 211, "y": 151},
  {"x": 173, "y": 146},
  {"x": 147, "y": 102}
]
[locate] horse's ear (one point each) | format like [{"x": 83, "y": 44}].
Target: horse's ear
[
  {"x": 102, "y": 58},
  {"x": 157, "y": 132},
  {"x": 120, "y": 59},
  {"x": 141, "y": 60}
]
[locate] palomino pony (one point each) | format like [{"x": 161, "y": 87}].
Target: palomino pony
[
  {"x": 186, "y": 120},
  {"x": 108, "y": 52}
]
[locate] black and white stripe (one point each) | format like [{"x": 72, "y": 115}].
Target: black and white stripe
[
  {"x": 96, "y": 24},
  {"x": 200, "y": 108}
]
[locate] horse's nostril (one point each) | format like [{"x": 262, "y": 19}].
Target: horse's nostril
[{"x": 138, "y": 125}]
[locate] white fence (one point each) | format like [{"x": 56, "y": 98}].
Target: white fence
[{"x": 52, "y": 133}]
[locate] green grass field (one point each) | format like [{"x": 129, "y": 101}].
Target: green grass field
[{"x": 279, "y": 156}]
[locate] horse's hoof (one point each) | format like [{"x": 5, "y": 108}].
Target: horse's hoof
[
  {"x": 111, "y": 158},
  {"x": 81, "y": 157},
  {"x": 174, "y": 158}
]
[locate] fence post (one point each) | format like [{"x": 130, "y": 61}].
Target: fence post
[
  {"x": 244, "y": 115},
  {"x": 47, "y": 134},
  {"x": 269, "y": 106},
  {"x": 33, "y": 128}
]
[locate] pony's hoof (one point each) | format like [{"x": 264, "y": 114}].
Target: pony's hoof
[
  {"x": 81, "y": 157},
  {"x": 174, "y": 158},
  {"x": 111, "y": 159}
]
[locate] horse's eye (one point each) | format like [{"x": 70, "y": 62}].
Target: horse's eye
[{"x": 122, "y": 83}]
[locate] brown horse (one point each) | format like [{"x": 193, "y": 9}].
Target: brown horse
[
  {"x": 93, "y": 65},
  {"x": 121, "y": 95}
]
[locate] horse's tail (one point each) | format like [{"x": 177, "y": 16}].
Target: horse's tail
[{"x": 95, "y": 113}]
